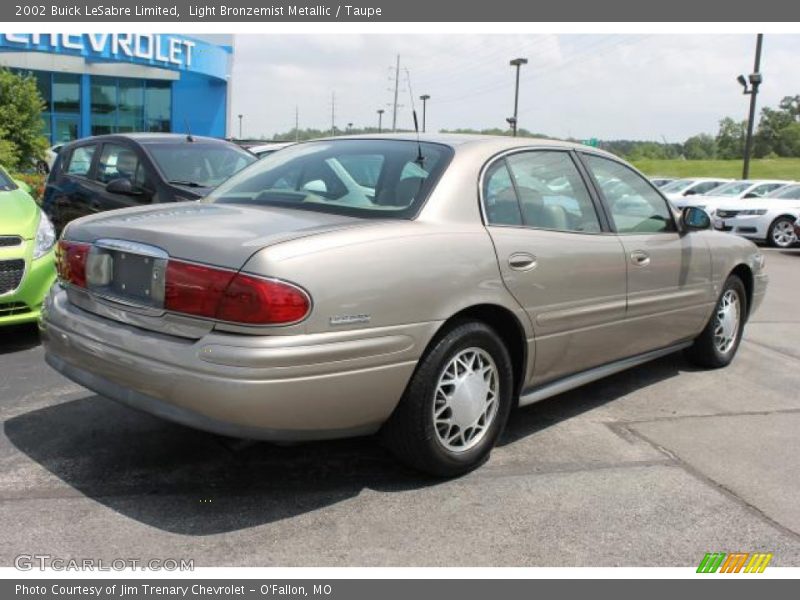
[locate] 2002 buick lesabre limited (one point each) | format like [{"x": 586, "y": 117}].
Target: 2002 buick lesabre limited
[{"x": 416, "y": 288}]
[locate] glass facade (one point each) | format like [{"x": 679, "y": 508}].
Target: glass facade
[
  {"x": 122, "y": 105},
  {"x": 117, "y": 105}
]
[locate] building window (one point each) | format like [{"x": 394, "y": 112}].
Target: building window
[
  {"x": 128, "y": 105},
  {"x": 158, "y": 105},
  {"x": 104, "y": 105},
  {"x": 131, "y": 106}
]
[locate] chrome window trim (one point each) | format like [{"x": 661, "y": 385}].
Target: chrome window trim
[{"x": 521, "y": 149}]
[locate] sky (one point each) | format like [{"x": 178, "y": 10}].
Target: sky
[{"x": 646, "y": 87}]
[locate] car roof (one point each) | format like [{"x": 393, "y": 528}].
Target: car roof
[
  {"x": 151, "y": 138},
  {"x": 459, "y": 141}
]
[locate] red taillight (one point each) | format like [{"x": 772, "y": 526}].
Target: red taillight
[
  {"x": 71, "y": 262},
  {"x": 194, "y": 289},
  {"x": 228, "y": 296},
  {"x": 253, "y": 300}
]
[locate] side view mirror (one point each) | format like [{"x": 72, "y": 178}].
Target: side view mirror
[
  {"x": 695, "y": 219},
  {"x": 122, "y": 186},
  {"x": 690, "y": 192},
  {"x": 751, "y": 195}
]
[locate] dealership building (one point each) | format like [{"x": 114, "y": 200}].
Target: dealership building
[{"x": 98, "y": 83}]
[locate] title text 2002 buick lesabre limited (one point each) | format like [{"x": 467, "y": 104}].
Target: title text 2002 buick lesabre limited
[{"x": 419, "y": 289}]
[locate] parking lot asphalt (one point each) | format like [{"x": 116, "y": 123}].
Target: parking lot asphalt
[{"x": 652, "y": 467}]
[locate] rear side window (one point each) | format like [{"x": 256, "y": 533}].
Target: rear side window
[
  {"x": 120, "y": 162},
  {"x": 539, "y": 189},
  {"x": 80, "y": 161},
  {"x": 706, "y": 186},
  {"x": 634, "y": 205}
]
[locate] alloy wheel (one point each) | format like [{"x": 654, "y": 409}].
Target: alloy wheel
[
  {"x": 726, "y": 324},
  {"x": 783, "y": 234},
  {"x": 466, "y": 399}
]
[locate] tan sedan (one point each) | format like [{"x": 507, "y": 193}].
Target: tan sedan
[{"x": 416, "y": 288}]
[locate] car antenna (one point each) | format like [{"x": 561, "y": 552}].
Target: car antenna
[
  {"x": 420, "y": 158},
  {"x": 189, "y": 137}
]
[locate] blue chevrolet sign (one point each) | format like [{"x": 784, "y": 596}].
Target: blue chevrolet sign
[{"x": 166, "y": 51}]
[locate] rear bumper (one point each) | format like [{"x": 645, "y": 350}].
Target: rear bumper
[{"x": 298, "y": 387}]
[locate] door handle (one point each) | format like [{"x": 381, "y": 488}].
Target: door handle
[
  {"x": 640, "y": 258},
  {"x": 522, "y": 261}
]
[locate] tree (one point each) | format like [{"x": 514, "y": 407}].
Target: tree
[
  {"x": 730, "y": 139},
  {"x": 700, "y": 147},
  {"x": 21, "y": 118},
  {"x": 767, "y": 139}
]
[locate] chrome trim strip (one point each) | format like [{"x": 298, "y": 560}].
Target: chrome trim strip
[
  {"x": 132, "y": 247},
  {"x": 573, "y": 381}
]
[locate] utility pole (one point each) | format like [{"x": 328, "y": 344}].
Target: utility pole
[
  {"x": 396, "y": 88},
  {"x": 333, "y": 114},
  {"x": 296, "y": 123},
  {"x": 380, "y": 120},
  {"x": 517, "y": 62},
  {"x": 755, "y": 79},
  {"x": 424, "y": 98}
]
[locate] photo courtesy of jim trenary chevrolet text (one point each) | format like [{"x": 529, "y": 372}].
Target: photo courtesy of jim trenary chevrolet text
[{"x": 399, "y": 299}]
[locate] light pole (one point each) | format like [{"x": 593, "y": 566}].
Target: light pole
[
  {"x": 517, "y": 62},
  {"x": 424, "y": 98},
  {"x": 755, "y": 80},
  {"x": 380, "y": 120},
  {"x": 240, "y": 126}
]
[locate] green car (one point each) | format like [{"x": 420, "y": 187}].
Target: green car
[{"x": 27, "y": 258}]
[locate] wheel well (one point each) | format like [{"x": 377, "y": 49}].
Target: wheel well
[
  {"x": 744, "y": 273},
  {"x": 507, "y": 326}
]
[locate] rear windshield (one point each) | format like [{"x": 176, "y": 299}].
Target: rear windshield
[
  {"x": 364, "y": 178},
  {"x": 6, "y": 183},
  {"x": 199, "y": 164}
]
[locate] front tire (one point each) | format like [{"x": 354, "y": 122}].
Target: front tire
[
  {"x": 716, "y": 346},
  {"x": 456, "y": 405},
  {"x": 781, "y": 233}
]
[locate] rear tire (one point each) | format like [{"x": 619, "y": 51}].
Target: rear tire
[
  {"x": 781, "y": 233},
  {"x": 716, "y": 346},
  {"x": 456, "y": 405}
]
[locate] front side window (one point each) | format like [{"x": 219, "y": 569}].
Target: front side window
[
  {"x": 80, "y": 162},
  {"x": 765, "y": 188},
  {"x": 198, "y": 164},
  {"x": 366, "y": 178},
  {"x": 731, "y": 189},
  {"x": 634, "y": 205},
  {"x": 120, "y": 162},
  {"x": 706, "y": 186}
]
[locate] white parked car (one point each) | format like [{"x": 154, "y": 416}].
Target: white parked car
[
  {"x": 769, "y": 219},
  {"x": 680, "y": 190},
  {"x": 732, "y": 192},
  {"x": 694, "y": 186}
]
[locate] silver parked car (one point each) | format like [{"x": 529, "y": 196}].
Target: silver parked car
[{"x": 416, "y": 288}]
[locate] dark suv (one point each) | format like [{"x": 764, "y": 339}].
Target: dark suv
[{"x": 123, "y": 170}]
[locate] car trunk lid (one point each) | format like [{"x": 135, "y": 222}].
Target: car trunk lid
[{"x": 129, "y": 252}]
